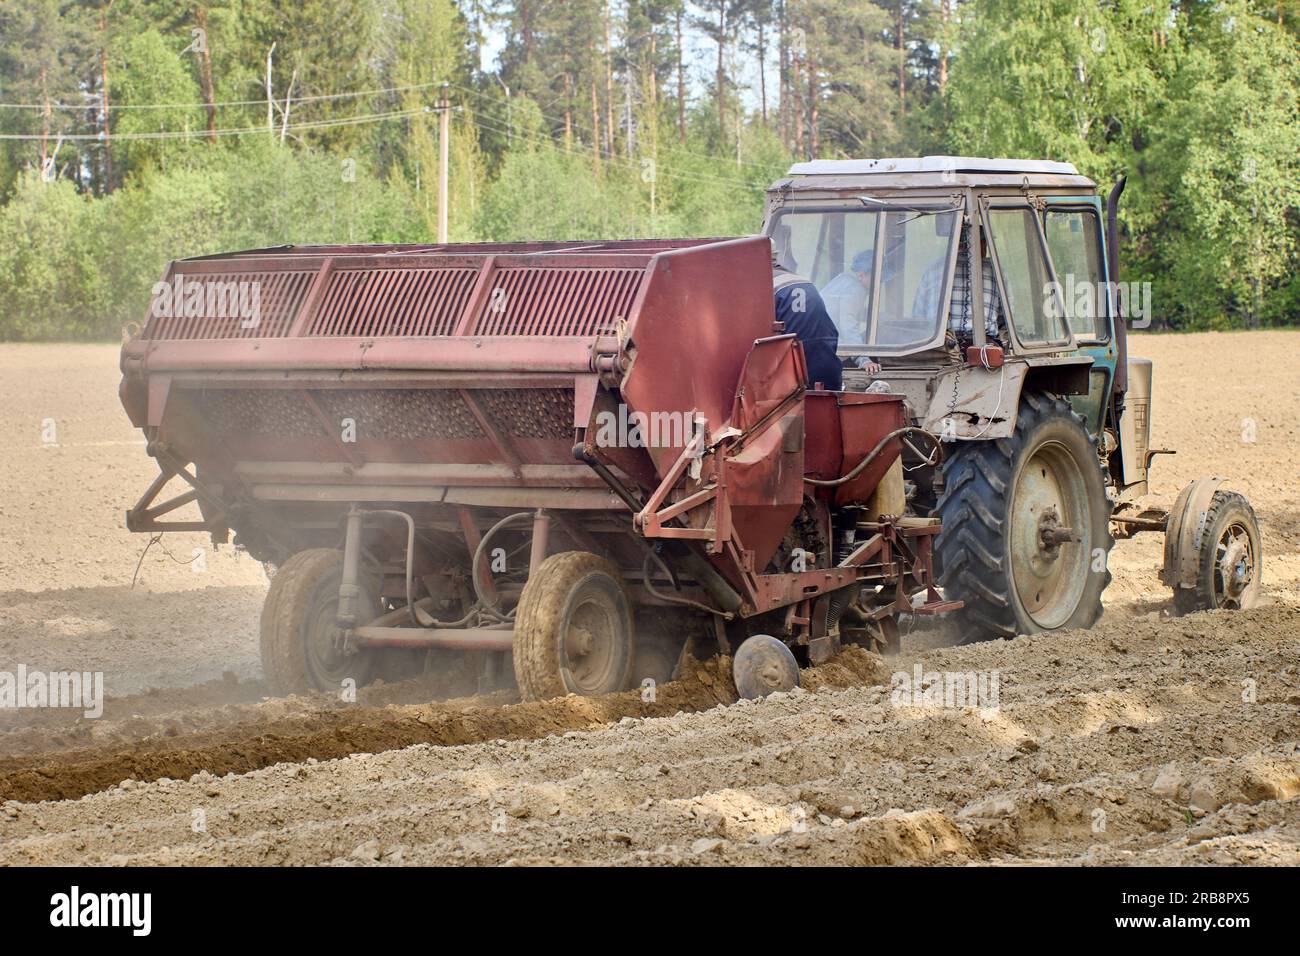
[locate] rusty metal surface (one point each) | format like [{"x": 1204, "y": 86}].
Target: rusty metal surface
[
  {"x": 492, "y": 320},
  {"x": 457, "y": 639},
  {"x": 281, "y": 294},
  {"x": 693, "y": 331},
  {"x": 548, "y": 290},
  {"x": 842, "y": 428},
  {"x": 545, "y": 301},
  {"x": 410, "y": 301},
  {"x": 764, "y": 473}
]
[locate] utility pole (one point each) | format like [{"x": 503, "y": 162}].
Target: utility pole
[
  {"x": 270, "y": 97},
  {"x": 288, "y": 100},
  {"x": 105, "y": 128},
  {"x": 444, "y": 126}
]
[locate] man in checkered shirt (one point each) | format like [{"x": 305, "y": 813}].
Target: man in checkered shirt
[{"x": 960, "y": 313}]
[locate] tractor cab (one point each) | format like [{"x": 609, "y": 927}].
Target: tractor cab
[{"x": 966, "y": 279}]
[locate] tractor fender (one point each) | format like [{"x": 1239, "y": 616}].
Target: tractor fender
[
  {"x": 970, "y": 402},
  {"x": 973, "y": 402},
  {"x": 1183, "y": 531}
]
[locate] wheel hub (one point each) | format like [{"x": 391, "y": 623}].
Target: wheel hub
[
  {"x": 1235, "y": 564},
  {"x": 1048, "y": 538},
  {"x": 579, "y": 642},
  {"x": 326, "y": 641},
  {"x": 1052, "y": 534},
  {"x": 589, "y": 643},
  {"x": 332, "y": 655},
  {"x": 574, "y": 632}
]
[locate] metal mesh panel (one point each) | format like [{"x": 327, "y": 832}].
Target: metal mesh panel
[
  {"x": 557, "y": 302},
  {"x": 283, "y": 414},
  {"x": 394, "y": 414},
  {"x": 529, "y": 412},
  {"x": 233, "y": 305},
  {"x": 393, "y": 302},
  {"x": 389, "y": 414}
]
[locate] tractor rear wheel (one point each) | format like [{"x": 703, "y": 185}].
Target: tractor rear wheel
[
  {"x": 301, "y": 647},
  {"x": 1026, "y": 526},
  {"x": 573, "y": 629}
]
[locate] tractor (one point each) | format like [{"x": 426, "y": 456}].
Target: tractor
[{"x": 986, "y": 292}]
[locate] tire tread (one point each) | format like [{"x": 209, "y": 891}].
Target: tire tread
[
  {"x": 1201, "y": 597},
  {"x": 284, "y": 658},
  {"x": 541, "y": 605},
  {"x": 973, "y": 508}
]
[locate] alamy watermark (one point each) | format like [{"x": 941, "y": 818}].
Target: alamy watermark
[
  {"x": 1085, "y": 299},
  {"x": 74, "y": 908},
  {"x": 945, "y": 690},
  {"x": 629, "y": 429},
  {"x": 24, "y": 689},
  {"x": 210, "y": 299}
]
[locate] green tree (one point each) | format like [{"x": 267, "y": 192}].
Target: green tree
[
  {"x": 150, "y": 71},
  {"x": 425, "y": 42},
  {"x": 44, "y": 52},
  {"x": 1062, "y": 79},
  {"x": 47, "y": 264},
  {"x": 1224, "y": 173}
]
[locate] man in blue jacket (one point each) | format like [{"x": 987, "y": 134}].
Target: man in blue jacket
[{"x": 799, "y": 305}]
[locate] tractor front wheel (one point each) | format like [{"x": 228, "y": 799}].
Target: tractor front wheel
[
  {"x": 573, "y": 629},
  {"x": 1026, "y": 526},
  {"x": 1228, "y": 563}
]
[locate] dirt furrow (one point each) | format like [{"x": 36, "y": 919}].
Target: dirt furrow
[{"x": 1169, "y": 755}]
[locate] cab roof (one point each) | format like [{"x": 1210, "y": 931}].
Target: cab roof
[
  {"x": 929, "y": 164},
  {"x": 836, "y": 176}
]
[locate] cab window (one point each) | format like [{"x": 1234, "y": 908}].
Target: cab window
[
  {"x": 1030, "y": 298},
  {"x": 1074, "y": 241},
  {"x": 882, "y": 273}
]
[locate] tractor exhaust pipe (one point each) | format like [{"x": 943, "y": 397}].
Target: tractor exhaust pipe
[{"x": 1112, "y": 279}]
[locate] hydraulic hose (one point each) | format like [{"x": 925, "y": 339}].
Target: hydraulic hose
[
  {"x": 413, "y": 608},
  {"x": 484, "y": 604},
  {"x": 874, "y": 453},
  {"x": 654, "y": 592}
]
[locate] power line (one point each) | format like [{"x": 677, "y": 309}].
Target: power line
[
  {"x": 219, "y": 105},
  {"x": 376, "y": 118},
  {"x": 318, "y": 124},
  {"x": 624, "y": 164},
  {"x": 613, "y": 161},
  {"x": 202, "y": 133}
]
